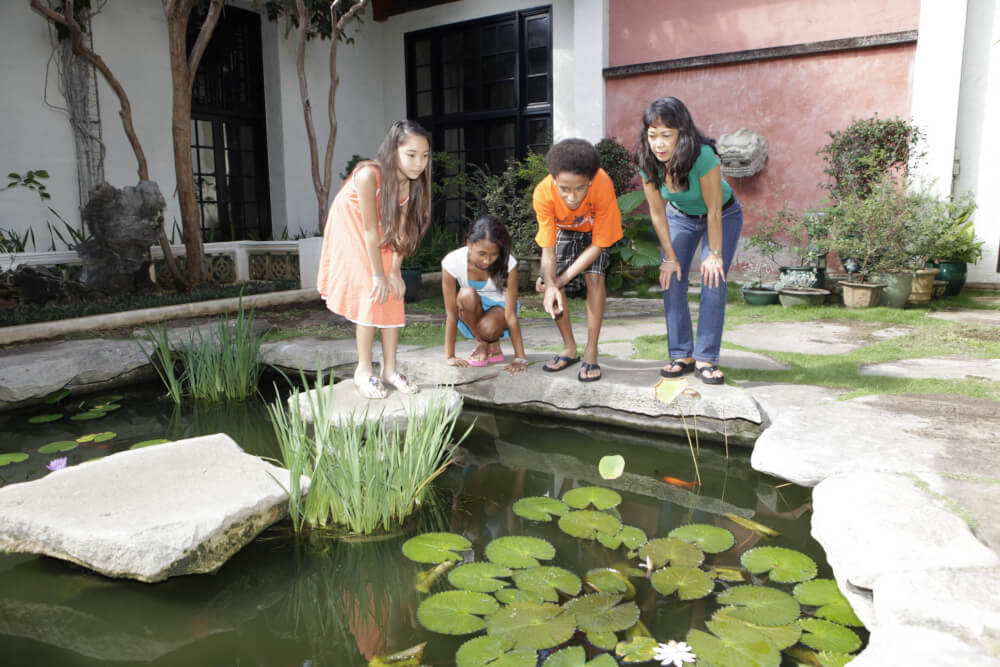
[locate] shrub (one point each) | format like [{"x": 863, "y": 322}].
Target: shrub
[
  {"x": 618, "y": 162},
  {"x": 867, "y": 151}
]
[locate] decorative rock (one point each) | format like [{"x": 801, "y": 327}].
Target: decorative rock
[
  {"x": 178, "y": 508},
  {"x": 394, "y": 409},
  {"x": 304, "y": 353},
  {"x": 742, "y": 153}
]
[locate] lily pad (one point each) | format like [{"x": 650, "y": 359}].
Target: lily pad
[
  {"x": 609, "y": 541},
  {"x": 750, "y": 524},
  {"x": 456, "y": 612},
  {"x": 434, "y": 547},
  {"x": 533, "y": 626},
  {"x": 760, "y": 605},
  {"x": 539, "y": 508},
  {"x": 834, "y": 659},
  {"x": 830, "y": 602},
  {"x": 733, "y": 645},
  {"x": 514, "y": 596},
  {"x": 602, "y": 612},
  {"x": 731, "y": 574},
  {"x": 479, "y": 577},
  {"x": 666, "y": 390},
  {"x": 58, "y": 446},
  {"x": 88, "y": 415},
  {"x": 548, "y": 581},
  {"x": 690, "y": 583},
  {"x": 610, "y": 580},
  {"x": 105, "y": 407},
  {"x": 710, "y": 539},
  {"x": 597, "y": 496},
  {"x": 12, "y": 457},
  {"x": 828, "y": 636},
  {"x": 604, "y": 640},
  {"x": 637, "y": 649},
  {"x": 102, "y": 400},
  {"x": 518, "y": 551},
  {"x": 494, "y": 651},
  {"x": 45, "y": 419},
  {"x": 57, "y": 395},
  {"x": 782, "y": 636},
  {"x": 586, "y": 524},
  {"x": 786, "y": 566},
  {"x": 105, "y": 436},
  {"x": 633, "y": 537},
  {"x": 665, "y": 550},
  {"x": 611, "y": 467},
  {"x": 570, "y": 656},
  {"x": 149, "y": 443}
]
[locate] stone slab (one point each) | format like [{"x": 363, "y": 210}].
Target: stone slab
[
  {"x": 812, "y": 337},
  {"x": 939, "y": 434},
  {"x": 987, "y": 300},
  {"x": 394, "y": 409},
  {"x": 179, "y": 508},
  {"x": 968, "y": 316},
  {"x": 777, "y": 398},
  {"x": 942, "y": 368},
  {"x": 304, "y": 353},
  {"x": 904, "y": 646}
]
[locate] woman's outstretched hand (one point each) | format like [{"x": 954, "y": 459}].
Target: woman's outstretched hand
[
  {"x": 396, "y": 285},
  {"x": 669, "y": 268},
  {"x": 713, "y": 273},
  {"x": 380, "y": 289}
]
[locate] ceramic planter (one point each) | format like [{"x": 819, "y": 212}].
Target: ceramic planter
[
  {"x": 897, "y": 288},
  {"x": 923, "y": 286},
  {"x": 528, "y": 269},
  {"x": 803, "y": 296},
  {"x": 861, "y": 295},
  {"x": 411, "y": 278},
  {"x": 953, "y": 273},
  {"x": 760, "y": 296},
  {"x": 940, "y": 287}
]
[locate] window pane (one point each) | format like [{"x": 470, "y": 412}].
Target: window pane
[
  {"x": 423, "y": 104},
  {"x": 499, "y": 94},
  {"x": 537, "y": 90},
  {"x": 451, "y": 47},
  {"x": 538, "y": 61},
  {"x": 423, "y": 78},
  {"x": 207, "y": 161},
  {"x": 506, "y": 39},
  {"x": 249, "y": 189},
  {"x": 205, "y": 133},
  {"x": 422, "y": 52},
  {"x": 539, "y": 134},
  {"x": 205, "y": 186},
  {"x": 453, "y": 100},
  {"x": 246, "y": 137},
  {"x": 537, "y": 32},
  {"x": 452, "y": 75}
]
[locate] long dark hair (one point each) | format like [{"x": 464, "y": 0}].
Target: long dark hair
[
  {"x": 403, "y": 236},
  {"x": 491, "y": 228},
  {"x": 671, "y": 112}
]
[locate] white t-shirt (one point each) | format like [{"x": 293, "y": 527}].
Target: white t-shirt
[{"x": 456, "y": 263}]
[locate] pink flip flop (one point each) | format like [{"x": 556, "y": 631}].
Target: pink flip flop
[
  {"x": 496, "y": 358},
  {"x": 478, "y": 363}
]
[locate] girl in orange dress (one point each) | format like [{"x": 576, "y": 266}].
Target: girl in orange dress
[{"x": 379, "y": 217}]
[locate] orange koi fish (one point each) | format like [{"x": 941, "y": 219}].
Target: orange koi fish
[{"x": 673, "y": 481}]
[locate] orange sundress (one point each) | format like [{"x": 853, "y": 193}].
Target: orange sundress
[{"x": 345, "y": 276}]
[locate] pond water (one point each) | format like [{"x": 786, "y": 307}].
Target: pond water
[{"x": 288, "y": 602}]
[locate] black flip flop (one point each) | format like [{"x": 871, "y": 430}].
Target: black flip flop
[
  {"x": 588, "y": 367},
  {"x": 686, "y": 367},
  {"x": 567, "y": 361},
  {"x": 704, "y": 374}
]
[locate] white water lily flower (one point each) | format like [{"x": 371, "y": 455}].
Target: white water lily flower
[{"x": 673, "y": 653}]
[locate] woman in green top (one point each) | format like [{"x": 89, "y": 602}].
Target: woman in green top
[{"x": 689, "y": 202}]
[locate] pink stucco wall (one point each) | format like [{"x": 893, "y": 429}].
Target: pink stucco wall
[{"x": 649, "y": 30}]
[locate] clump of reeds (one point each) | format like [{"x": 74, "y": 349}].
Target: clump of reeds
[
  {"x": 223, "y": 365},
  {"x": 366, "y": 476}
]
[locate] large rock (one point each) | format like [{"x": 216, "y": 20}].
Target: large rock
[
  {"x": 124, "y": 223},
  {"x": 178, "y": 508},
  {"x": 347, "y": 404}
]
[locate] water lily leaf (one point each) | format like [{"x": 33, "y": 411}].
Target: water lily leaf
[
  {"x": 611, "y": 467},
  {"x": 494, "y": 651},
  {"x": 58, "y": 446},
  {"x": 45, "y": 419},
  {"x": 514, "y": 596},
  {"x": 534, "y": 626},
  {"x": 435, "y": 547},
  {"x": 828, "y": 636},
  {"x": 602, "y": 612},
  {"x": 88, "y": 415},
  {"x": 12, "y": 457},
  {"x": 102, "y": 400},
  {"x": 105, "y": 407},
  {"x": 547, "y": 581},
  {"x": 610, "y": 580},
  {"x": 456, "y": 612},
  {"x": 803, "y": 657},
  {"x": 86, "y": 438},
  {"x": 586, "y": 524},
  {"x": 105, "y": 436},
  {"x": 733, "y": 645},
  {"x": 637, "y": 649},
  {"x": 571, "y": 656},
  {"x": 750, "y": 524},
  {"x": 690, "y": 583},
  {"x": 665, "y": 550},
  {"x": 782, "y": 636},
  {"x": 597, "y": 496},
  {"x": 710, "y": 539},
  {"x": 727, "y": 573},
  {"x": 480, "y": 577},
  {"x": 633, "y": 537},
  {"x": 539, "y": 508},
  {"x": 830, "y": 602},
  {"x": 519, "y": 551},
  {"x": 149, "y": 443},
  {"x": 57, "y": 395},
  {"x": 785, "y": 565},
  {"x": 834, "y": 659},
  {"x": 609, "y": 541},
  {"x": 760, "y": 605},
  {"x": 604, "y": 640},
  {"x": 667, "y": 390}
]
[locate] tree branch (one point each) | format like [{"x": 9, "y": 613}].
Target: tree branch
[
  {"x": 300, "y": 59},
  {"x": 351, "y": 13},
  {"x": 204, "y": 36}
]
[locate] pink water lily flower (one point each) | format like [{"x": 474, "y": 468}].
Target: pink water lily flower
[{"x": 56, "y": 464}]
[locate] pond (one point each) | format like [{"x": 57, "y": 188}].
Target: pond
[{"x": 283, "y": 601}]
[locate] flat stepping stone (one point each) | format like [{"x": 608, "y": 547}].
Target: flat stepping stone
[
  {"x": 392, "y": 410},
  {"x": 812, "y": 337},
  {"x": 987, "y": 300},
  {"x": 729, "y": 358},
  {"x": 305, "y": 352},
  {"x": 942, "y": 368},
  {"x": 968, "y": 316},
  {"x": 178, "y": 508}
]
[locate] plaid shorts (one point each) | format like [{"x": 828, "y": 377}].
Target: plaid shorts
[{"x": 570, "y": 245}]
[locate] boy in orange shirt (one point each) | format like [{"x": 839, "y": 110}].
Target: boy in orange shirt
[{"x": 578, "y": 220}]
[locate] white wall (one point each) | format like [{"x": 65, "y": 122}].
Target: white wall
[{"x": 978, "y": 133}]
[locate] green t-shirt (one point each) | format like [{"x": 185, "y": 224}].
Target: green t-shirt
[{"x": 690, "y": 201}]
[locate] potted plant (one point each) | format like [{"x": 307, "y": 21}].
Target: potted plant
[
  {"x": 755, "y": 292},
  {"x": 796, "y": 289},
  {"x": 956, "y": 245},
  {"x": 802, "y": 231}
]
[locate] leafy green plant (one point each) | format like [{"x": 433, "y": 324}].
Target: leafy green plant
[
  {"x": 638, "y": 249},
  {"x": 795, "y": 280},
  {"x": 437, "y": 242},
  {"x": 956, "y": 238},
  {"x": 618, "y": 162},
  {"x": 352, "y": 162},
  {"x": 868, "y": 151}
]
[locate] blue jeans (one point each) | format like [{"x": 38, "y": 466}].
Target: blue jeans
[{"x": 685, "y": 233}]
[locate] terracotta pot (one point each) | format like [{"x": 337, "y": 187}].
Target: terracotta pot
[
  {"x": 861, "y": 295},
  {"x": 923, "y": 286}
]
